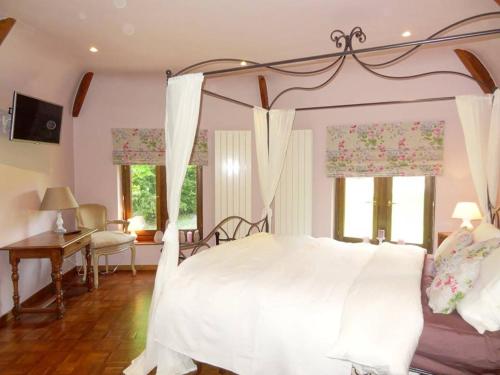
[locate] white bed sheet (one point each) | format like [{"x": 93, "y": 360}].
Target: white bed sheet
[
  {"x": 263, "y": 304},
  {"x": 286, "y": 305}
]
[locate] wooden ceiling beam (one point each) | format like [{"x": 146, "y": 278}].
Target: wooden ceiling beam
[
  {"x": 264, "y": 97},
  {"x": 477, "y": 70},
  {"x": 5, "y": 26},
  {"x": 81, "y": 93}
]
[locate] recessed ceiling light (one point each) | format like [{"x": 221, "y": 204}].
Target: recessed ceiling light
[
  {"x": 128, "y": 29},
  {"x": 406, "y": 34},
  {"x": 243, "y": 63},
  {"x": 93, "y": 49},
  {"x": 120, "y": 4}
]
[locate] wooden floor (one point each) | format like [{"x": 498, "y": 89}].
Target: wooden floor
[{"x": 101, "y": 332}]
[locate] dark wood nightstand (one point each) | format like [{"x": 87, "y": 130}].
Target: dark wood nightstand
[{"x": 442, "y": 236}]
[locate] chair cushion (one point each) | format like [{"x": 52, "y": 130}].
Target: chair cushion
[{"x": 108, "y": 238}]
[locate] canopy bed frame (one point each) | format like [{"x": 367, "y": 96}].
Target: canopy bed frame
[
  {"x": 343, "y": 40},
  {"x": 221, "y": 233},
  {"x": 183, "y": 107}
]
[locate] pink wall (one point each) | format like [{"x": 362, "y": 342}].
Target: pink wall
[
  {"x": 32, "y": 65},
  {"x": 138, "y": 101}
]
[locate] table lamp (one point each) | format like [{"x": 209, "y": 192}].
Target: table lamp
[
  {"x": 57, "y": 199},
  {"x": 136, "y": 223},
  {"x": 466, "y": 211}
]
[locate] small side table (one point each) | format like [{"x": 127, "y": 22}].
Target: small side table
[
  {"x": 442, "y": 236},
  {"x": 56, "y": 247}
]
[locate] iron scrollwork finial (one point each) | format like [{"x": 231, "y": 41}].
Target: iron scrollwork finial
[{"x": 339, "y": 37}]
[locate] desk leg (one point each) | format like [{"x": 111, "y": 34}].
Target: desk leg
[
  {"x": 14, "y": 262},
  {"x": 57, "y": 278},
  {"x": 90, "y": 282}
]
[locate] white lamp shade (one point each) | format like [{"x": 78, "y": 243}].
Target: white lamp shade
[
  {"x": 467, "y": 211},
  {"x": 136, "y": 223},
  {"x": 58, "y": 198}
]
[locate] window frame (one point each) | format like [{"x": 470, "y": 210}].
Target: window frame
[
  {"x": 382, "y": 211},
  {"x": 161, "y": 201}
]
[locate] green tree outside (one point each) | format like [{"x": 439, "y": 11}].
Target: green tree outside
[{"x": 143, "y": 186}]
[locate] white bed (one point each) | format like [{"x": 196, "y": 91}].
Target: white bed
[{"x": 292, "y": 306}]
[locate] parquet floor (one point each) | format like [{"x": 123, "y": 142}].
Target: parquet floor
[{"x": 101, "y": 331}]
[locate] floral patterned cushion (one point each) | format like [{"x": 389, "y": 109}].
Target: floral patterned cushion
[
  {"x": 452, "y": 244},
  {"x": 456, "y": 275}
]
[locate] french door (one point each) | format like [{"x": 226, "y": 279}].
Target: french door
[{"x": 403, "y": 207}]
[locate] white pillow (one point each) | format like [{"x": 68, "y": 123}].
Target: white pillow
[
  {"x": 485, "y": 231},
  {"x": 481, "y": 305},
  {"x": 456, "y": 241}
]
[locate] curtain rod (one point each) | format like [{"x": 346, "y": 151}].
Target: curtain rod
[
  {"x": 336, "y": 106},
  {"x": 351, "y": 52}
]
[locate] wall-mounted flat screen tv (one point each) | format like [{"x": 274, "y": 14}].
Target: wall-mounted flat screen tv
[{"x": 35, "y": 120}]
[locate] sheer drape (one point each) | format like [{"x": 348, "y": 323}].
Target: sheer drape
[
  {"x": 270, "y": 164},
  {"x": 183, "y": 106},
  {"x": 480, "y": 119}
]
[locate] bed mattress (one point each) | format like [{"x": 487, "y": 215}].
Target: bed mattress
[{"x": 449, "y": 345}]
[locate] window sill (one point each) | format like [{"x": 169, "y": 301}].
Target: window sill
[{"x": 147, "y": 242}]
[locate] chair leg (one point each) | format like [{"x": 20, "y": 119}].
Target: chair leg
[
  {"x": 84, "y": 265},
  {"x": 132, "y": 259},
  {"x": 95, "y": 263},
  {"x": 107, "y": 263}
]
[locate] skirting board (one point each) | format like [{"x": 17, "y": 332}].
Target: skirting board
[
  {"x": 41, "y": 296},
  {"x": 126, "y": 267}
]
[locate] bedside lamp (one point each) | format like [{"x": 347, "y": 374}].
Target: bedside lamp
[
  {"x": 57, "y": 199},
  {"x": 466, "y": 211},
  {"x": 136, "y": 223}
]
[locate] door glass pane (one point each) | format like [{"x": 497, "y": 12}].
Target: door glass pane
[
  {"x": 408, "y": 194},
  {"x": 358, "y": 216},
  {"x": 188, "y": 207},
  {"x": 143, "y": 189}
]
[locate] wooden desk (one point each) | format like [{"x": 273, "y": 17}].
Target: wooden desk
[{"x": 55, "y": 247}]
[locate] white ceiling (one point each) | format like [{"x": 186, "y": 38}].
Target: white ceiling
[{"x": 153, "y": 35}]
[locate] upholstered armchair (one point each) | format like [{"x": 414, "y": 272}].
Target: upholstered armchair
[{"x": 104, "y": 242}]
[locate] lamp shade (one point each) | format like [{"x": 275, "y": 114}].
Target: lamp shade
[
  {"x": 58, "y": 198},
  {"x": 466, "y": 210}
]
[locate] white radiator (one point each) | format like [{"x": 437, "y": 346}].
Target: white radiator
[
  {"x": 293, "y": 200},
  {"x": 233, "y": 176}
]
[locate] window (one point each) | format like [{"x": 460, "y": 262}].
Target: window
[
  {"x": 145, "y": 194},
  {"x": 402, "y": 206},
  {"x": 190, "y": 209}
]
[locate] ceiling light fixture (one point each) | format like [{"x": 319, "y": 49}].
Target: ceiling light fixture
[
  {"x": 120, "y": 4},
  {"x": 243, "y": 63},
  {"x": 406, "y": 34},
  {"x": 93, "y": 49},
  {"x": 128, "y": 29}
]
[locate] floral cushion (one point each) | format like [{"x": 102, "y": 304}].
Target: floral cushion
[
  {"x": 456, "y": 275},
  {"x": 452, "y": 244}
]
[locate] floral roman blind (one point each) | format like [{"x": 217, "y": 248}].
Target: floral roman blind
[
  {"x": 147, "y": 146},
  {"x": 385, "y": 149}
]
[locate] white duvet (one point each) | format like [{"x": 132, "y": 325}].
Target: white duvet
[{"x": 293, "y": 306}]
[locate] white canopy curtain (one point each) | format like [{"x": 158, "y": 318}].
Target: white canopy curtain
[
  {"x": 270, "y": 160},
  {"x": 480, "y": 118},
  {"x": 183, "y": 106}
]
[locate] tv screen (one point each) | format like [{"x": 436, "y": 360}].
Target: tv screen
[{"x": 35, "y": 120}]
